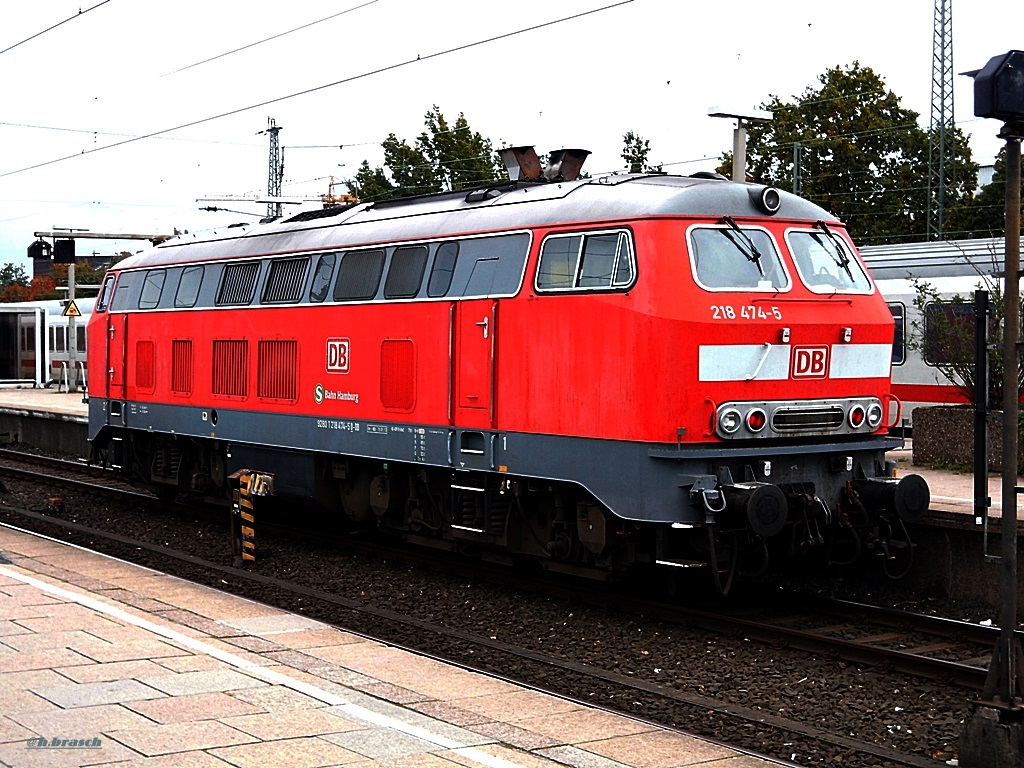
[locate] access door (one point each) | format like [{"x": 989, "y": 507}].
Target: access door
[
  {"x": 116, "y": 351},
  {"x": 475, "y": 345}
]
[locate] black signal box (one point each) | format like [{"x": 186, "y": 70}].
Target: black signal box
[
  {"x": 40, "y": 249},
  {"x": 64, "y": 251},
  {"x": 999, "y": 88}
]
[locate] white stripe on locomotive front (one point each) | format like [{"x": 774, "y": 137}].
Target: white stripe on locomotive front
[{"x": 740, "y": 362}]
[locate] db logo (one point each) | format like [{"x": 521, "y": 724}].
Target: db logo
[
  {"x": 337, "y": 355},
  {"x": 810, "y": 362}
]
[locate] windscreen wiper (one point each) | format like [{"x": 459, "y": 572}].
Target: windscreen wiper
[
  {"x": 746, "y": 246},
  {"x": 839, "y": 254}
]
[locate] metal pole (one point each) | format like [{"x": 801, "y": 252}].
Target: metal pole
[
  {"x": 739, "y": 152},
  {"x": 72, "y": 335},
  {"x": 1010, "y": 413},
  {"x": 1004, "y": 686},
  {"x": 797, "y": 181},
  {"x": 981, "y": 409}
]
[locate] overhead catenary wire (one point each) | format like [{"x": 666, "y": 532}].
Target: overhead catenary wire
[
  {"x": 267, "y": 39},
  {"x": 315, "y": 89},
  {"x": 53, "y": 27}
]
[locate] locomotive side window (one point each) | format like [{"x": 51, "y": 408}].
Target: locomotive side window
[
  {"x": 238, "y": 283},
  {"x": 481, "y": 279},
  {"x": 490, "y": 266},
  {"x": 123, "y": 293},
  {"x": 406, "y": 272},
  {"x": 899, "y": 341},
  {"x": 104, "y": 297},
  {"x": 825, "y": 262},
  {"x": 557, "y": 266},
  {"x": 285, "y": 281},
  {"x": 729, "y": 259},
  {"x": 188, "y": 287},
  {"x": 322, "y": 277},
  {"x": 359, "y": 275},
  {"x": 443, "y": 270},
  {"x": 606, "y": 261},
  {"x": 600, "y": 260},
  {"x": 152, "y": 287}
]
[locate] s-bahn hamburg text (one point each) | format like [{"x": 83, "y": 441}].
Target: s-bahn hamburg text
[{"x": 538, "y": 374}]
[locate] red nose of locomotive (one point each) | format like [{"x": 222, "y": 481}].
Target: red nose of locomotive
[{"x": 796, "y": 341}]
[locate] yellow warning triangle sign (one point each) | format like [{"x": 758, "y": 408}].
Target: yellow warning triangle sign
[{"x": 72, "y": 310}]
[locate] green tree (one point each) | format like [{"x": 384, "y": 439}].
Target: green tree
[
  {"x": 635, "y": 150},
  {"x": 412, "y": 172},
  {"x": 444, "y": 157},
  {"x": 11, "y": 273},
  {"x": 862, "y": 155},
  {"x": 984, "y": 214},
  {"x": 13, "y": 283},
  {"x": 370, "y": 184},
  {"x": 459, "y": 156},
  {"x": 85, "y": 274}
]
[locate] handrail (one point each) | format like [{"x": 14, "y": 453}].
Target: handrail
[{"x": 83, "y": 381}]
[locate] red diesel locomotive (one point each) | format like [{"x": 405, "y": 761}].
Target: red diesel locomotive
[{"x": 595, "y": 373}]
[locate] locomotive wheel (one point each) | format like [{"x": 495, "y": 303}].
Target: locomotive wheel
[{"x": 355, "y": 496}]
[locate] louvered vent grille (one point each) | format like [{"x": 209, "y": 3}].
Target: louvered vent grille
[
  {"x": 398, "y": 374},
  {"x": 238, "y": 283},
  {"x": 284, "y": 283},
  {"x": 230, "y": 368},
  {"x": 145, "y": 374},
  {"x": 807, "y": 419},
  {"x": 181, "y": 367},
  {"x": 278, "y": 370}
]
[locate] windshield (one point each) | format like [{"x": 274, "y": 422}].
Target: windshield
[
  {"x": 825, "y": 262},
  {"x": 736, "y": 258}
]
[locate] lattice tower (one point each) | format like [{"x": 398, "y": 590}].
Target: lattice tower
[{"x": 941, "y": 176}]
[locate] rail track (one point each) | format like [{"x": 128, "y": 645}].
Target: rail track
[{"x": 894, "y": 640}]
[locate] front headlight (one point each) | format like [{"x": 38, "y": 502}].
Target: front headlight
[{"x": 730, "y": 421}]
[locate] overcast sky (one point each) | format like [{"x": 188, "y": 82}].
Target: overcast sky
[{"x": 129, "y": 69}]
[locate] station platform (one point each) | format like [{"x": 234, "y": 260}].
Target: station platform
[
  {"x": 44, "y": 400},
  {"x": 107, "y": 663}
]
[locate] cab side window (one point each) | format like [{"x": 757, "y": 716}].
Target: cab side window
[{"x": 586, "y": 261}]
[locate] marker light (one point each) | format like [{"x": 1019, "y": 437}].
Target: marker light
[
  {"x": 857, "y": 416},
  {"x": 756, "y": 419}
]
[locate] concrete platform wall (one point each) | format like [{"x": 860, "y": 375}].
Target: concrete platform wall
[
  {"x": 950, "y": 562},
  {"x": 48, "y": 432}
]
